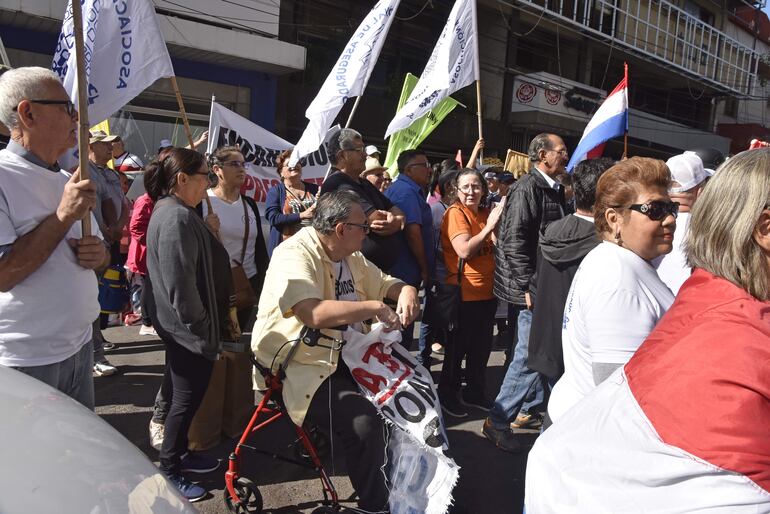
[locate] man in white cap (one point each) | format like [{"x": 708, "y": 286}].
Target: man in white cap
[{"x": 687, "y": 180}]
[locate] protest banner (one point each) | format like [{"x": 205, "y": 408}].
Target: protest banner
[
  {"x": 453, "y": 65},
  {"x": 422, "y": 474},
  {"x": 348, "y": 77}
]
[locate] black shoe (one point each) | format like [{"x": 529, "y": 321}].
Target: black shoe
[
  {"x": 501, "y": 438},
  {"x": 453, "y": 407},
  {"x": 476, "y": 401}
]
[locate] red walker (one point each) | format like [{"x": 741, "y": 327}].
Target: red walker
[{"x": 241, "y": 495}]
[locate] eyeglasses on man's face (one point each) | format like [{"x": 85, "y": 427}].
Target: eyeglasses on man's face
[
  {"x": 363, "y": 226},
  {"x": 69, "y": 107},
  {"x": 235, "y": 164}
]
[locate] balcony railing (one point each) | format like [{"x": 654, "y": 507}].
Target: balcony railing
[{"x": 663, "y": 33}]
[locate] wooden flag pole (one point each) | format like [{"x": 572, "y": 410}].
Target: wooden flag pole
[
  {"x": 478, "y": 114},
  {"x": 83, "y": 133},
  {"x": 186, "y": 123}
]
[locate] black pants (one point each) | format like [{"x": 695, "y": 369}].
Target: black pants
[
  {"x": 190, "y": 374},
  {"x": 146, "y": 300},
  {"x": 361, "y": 432},
  {"x": 472, "y": 341}
]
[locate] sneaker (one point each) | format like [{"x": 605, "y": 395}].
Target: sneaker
[
  {"x": 502, "y": 439},
  {"x": 453, "y": 407},
  {"x": 478, "y": 402},
  {"x": 528, "y": 420},
  {"x": 156, "y": 434},
  {"x": 148, "y": 331},
  {"x": 108, "y": 345},
  {"x": 194, "y": 462},
  {"x": 191, "y": 491},
  {"x": 104, "y": 369}
]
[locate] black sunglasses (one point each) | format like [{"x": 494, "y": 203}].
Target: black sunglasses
[
  {"x": 68, "y": 105},
  {"x": 363, "y": 226},
  {"x": 656, "y": 210}
]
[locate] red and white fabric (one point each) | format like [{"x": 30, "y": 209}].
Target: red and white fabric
[{"x": 683, "y": 427}]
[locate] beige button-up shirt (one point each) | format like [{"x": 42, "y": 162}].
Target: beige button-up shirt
[{"x": 300, "y": 269}]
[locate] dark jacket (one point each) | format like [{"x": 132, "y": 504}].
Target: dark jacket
[
  {"x": 562, "y": 248},
  {"x": 261, "y": 259},
  {"x": 276, "y": 197},
  {"x": 189, "y": 280},
  {"x": 530, "y": 207}
]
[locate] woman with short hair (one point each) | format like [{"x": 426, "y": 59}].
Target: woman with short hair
[
  {"x": 290, "y": 204},
  {"x": 616, "y": 297},
  {"x": 683, "y": 426}
]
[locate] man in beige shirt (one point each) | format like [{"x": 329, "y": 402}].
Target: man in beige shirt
[{"x": 319, "y": 279}]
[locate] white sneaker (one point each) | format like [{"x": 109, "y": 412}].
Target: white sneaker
[
  {"x": 156, "y": 435},
  {"x": 148, "y": 331},
  {"x": 104, "y": 369}
]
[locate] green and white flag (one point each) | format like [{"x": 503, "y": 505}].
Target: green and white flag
[{"x": 411, "y": 137}]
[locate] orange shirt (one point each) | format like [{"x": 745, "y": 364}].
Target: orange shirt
[{"x": 479, "y": 271}]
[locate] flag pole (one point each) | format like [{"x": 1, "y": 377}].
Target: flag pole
[
  {"x": 186, "y": 123},
  {"x": 83, "y": 134},
  {"x": 353, "y": 111},
  {"x": 478, "y": 114},
  {"x": 625, "y": 133}
]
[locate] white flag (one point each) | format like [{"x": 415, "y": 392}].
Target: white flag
[
  {"x": 453, "y": 65},
  {"x": 124, "y": 53},
  {"x": 348, "y": 78}
]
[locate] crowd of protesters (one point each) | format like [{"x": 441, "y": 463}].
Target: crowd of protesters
[{"x": 628, "y": 289}]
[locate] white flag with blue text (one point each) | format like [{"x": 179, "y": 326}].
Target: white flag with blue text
[
  {"x": 348, "y": 78},
  {"x": 453, "y": 65},
  {"x": 124, "y": 53}
]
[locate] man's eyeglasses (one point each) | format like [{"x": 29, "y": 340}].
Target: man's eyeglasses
[
  {"x": 562, "y": 151},
  {"x": 468, "y": 188},
  {"x": 235, "y": 164},
  {"x": 69, "y": 107},
  {"x": 359, "y": 149},
  {"x": 656, "y": 210},
  {"x": 420, "y": 164},
  {"x": 363, "y": 226}
]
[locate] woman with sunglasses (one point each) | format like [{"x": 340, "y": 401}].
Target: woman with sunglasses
[
  {"x": 244, "y": 243},
  {"x": 616, "y": 297},
  {"x": 467, "y": 241},
  {"x": 290, "y": 204}
]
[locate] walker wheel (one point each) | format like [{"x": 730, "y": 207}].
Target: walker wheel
[
  {"x": 325, "y": 510},
  {"x": 249, "y": 498}
]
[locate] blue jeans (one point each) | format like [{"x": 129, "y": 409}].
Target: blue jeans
[
  {"x": 72, "y": 376},
  {"x": 522, "y": 388}
]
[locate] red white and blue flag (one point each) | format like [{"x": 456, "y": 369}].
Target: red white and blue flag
[{"x": 611, "y": 120}]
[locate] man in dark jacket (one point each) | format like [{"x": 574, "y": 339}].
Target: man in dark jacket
[
  {"x": 534, "y": 201},
  {"x": 562, "y": 249}
]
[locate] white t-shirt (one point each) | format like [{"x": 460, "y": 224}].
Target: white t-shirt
[
  {"x": 615, "y": 300},
  {"x": 344, "y": 287},
  {"x": 231, "y": 229},
  {"x": 672, "y": 268},
  {"x": 47, "y": 317}
]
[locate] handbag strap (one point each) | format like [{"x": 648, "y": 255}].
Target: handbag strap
[
  {"x": 247, "y": 222},
  {"x": 461, "y": 262}
]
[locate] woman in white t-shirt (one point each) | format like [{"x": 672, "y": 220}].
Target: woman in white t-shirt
[
  {"x": 237, "y": 223},
  {"x": 616, "y": 297}
]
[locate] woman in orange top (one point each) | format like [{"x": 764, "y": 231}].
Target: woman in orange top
[{"x": 467, "y": 233}]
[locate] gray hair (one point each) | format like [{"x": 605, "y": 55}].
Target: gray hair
[
  {"x": 22, "y": 84},
  {"x": 341, "y": 140},
  {"x": 333, "y": 208},
  {"x": 538, "y": 143},
  {"x": 721, "y": 233}
]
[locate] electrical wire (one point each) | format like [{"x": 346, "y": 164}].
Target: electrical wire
[
  {"x": 418, "y": 12},
  {"x": 502, "y": 16}
]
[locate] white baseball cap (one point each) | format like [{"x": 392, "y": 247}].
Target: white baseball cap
[
  {"x": 687, "y": 169},
  {"x": 371, "y": 149}
]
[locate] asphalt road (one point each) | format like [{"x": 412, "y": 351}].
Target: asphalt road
[{"x": 491, "y": 481}]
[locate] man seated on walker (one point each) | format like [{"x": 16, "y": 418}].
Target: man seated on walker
[{"x": 319, "y": 279}]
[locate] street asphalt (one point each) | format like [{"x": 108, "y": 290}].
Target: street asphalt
[{"x": 491, "y": 481}]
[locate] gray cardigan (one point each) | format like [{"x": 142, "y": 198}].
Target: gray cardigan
[{"x": 190, "y": 279}]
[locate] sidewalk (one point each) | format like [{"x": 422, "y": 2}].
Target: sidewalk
[{"x": 491, "y": 481}]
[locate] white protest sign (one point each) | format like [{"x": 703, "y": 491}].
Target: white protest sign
[{"x": 421, "y": 472}]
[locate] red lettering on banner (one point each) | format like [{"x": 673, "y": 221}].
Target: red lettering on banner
[
  {"x": 370, "y": 381},
  {"x": 382, "y": 399},
  {"x": 248, "y": 185},
  {"x": 375, "y": 350}
]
